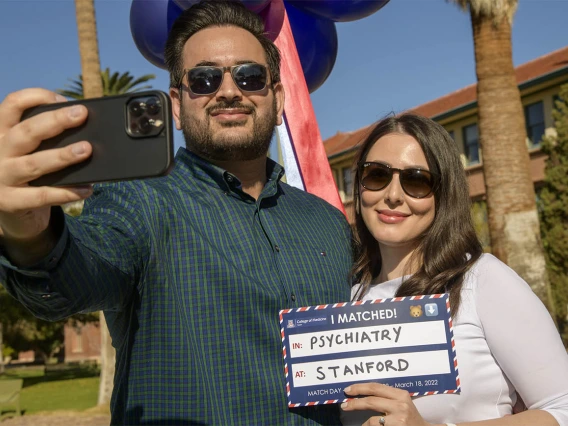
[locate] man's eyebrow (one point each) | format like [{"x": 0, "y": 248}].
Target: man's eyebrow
[{"x": 216, "y": 64}]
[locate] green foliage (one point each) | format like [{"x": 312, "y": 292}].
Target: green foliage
[
  {"x": 553, "y": 208},
  {"x": 22, "y": 331},
  {"x": 115, "y": 84},
  {"x": 479, "y": 215}
]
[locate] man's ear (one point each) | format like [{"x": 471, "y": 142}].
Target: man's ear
[
  {"x": 175, "y": 95},
  {"x": 279, "y": 96}
]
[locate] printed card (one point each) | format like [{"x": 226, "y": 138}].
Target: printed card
[{"x": 404, "y": 342}]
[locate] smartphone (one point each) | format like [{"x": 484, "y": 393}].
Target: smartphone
[{"x": 131, "y": 136}]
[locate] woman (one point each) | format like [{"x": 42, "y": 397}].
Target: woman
[{"x": 412, "y": 216}]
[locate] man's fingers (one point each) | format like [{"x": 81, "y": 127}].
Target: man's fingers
[
  {"x": 26, "y": 136},
  {"x": 21, "y": 170},
  {"x": 16, "y": 103},
  {"x": 30, "y": 198}
]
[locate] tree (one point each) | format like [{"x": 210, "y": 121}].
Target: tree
[
  {"x": 553, "y": 205},
  {"x": 115, "y": 84},
  {"x": 511, "y": 201},
  {"x": 22, "y": 331},
  {"x": 93, "y": 88}
]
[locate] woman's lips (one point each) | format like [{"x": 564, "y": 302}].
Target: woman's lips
[{"x": 390, "y": 216}]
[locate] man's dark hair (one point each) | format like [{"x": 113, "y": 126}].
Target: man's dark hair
[{"x": 216, "y": 13}]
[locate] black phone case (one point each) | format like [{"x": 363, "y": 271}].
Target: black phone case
[{"x": 117, "y": 155}]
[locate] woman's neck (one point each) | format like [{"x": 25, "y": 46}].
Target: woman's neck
[{"x": 395, "y": 263}]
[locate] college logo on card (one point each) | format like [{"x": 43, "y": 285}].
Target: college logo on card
[{"x": 291, "y": 324}]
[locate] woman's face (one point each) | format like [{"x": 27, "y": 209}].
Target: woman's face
[{"x": 394, "y": 218}]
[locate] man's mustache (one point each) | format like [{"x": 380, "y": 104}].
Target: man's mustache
[{"x": 230, "y": 105}]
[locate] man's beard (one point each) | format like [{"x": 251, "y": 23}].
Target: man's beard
[{"x": 198, "y": 136}]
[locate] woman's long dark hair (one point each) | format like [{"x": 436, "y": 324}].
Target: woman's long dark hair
[{"x": 449, "y": 247}]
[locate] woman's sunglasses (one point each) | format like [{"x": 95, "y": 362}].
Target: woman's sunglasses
[
  {"x": 417, "y": 183},
  {"x": 206, "y": 80}
]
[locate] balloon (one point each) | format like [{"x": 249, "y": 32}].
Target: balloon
[
  {"x": 316, "y": 41},
  {"x": 339, "y": 10},
  {"x": 273, "y": 18},
  {"x": 254, "y": 5},
  {"x": 311, "y": 21},
  {"x": 150, "y": 23}
]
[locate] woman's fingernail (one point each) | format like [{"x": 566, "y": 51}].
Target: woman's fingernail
[
  {"x": 78, "y": 149},
  {"x": 60, "y": 98},
  {"x": 75, "y": 111},
  {"x": 347, "y": 389},
  {"x": 344, "y": 405}
]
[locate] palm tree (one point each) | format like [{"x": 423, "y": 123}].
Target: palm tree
[
  {"x": 115, "y": 84},
  {"x": 92, "y": 88},
  {"x": 511, "y": 201}
]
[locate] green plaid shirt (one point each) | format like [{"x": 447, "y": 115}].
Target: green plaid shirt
[{"x": 191, "y": 273}]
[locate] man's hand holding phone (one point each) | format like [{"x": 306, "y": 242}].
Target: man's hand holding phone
[{"x": 25, "y": 210}]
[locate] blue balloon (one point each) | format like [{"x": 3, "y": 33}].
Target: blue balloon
[
  {"x": 316, "y": 41},
  {"x": 150, "y": 23},
  {"x": 339, "y": 10}
]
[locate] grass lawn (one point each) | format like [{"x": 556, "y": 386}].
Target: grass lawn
[{"x": 62, "y": 388}]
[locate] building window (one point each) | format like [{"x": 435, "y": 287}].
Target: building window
[
  {"x": 471, "y": 144},
  {"x": 534, "y": 118},
  {"x": 335, "y": 179},
  {"x": 347, "y": 176}
]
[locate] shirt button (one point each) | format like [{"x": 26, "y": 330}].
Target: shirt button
[
  {"x": 277, "y": 248},
  {"x": 229, "y": 178},
  {"x": 293, "y": 297}
]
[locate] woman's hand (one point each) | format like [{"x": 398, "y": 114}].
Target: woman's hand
[{"x": 394, "y": 406}]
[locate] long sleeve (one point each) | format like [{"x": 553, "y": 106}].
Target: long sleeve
[
  {"x": 96, "y": 264},
  {"x": 523, "y": 339}
]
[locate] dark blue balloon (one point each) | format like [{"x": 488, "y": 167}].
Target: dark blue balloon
[
  {"x": 316, "y": 41},
  {"x": 339, "y": 10},
  {"x": 150, "y": 23}
]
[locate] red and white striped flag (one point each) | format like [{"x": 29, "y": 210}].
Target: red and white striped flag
[{"x": 305, "y": 160}]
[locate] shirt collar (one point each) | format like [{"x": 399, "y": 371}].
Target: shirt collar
[{"x": 210, "y": 174}]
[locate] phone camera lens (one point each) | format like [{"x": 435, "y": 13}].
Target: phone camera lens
[
  {"x": 136, "y": 108},
  {"x": 153, "y": 106},
  {"x": 145, "y": 125}
]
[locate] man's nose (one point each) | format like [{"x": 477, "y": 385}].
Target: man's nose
[{"x": 228, "y": 89}]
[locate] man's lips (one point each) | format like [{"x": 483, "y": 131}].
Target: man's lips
[{"x": 230, "y": 114}]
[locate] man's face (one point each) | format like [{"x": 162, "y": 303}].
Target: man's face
[{"x": 231, "y": 124}]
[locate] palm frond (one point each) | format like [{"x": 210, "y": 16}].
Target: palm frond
[
  {"x": 495, "y": 10},
  {"x": 113, "y": 84}
]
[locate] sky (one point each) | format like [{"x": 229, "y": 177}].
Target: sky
[{"x": 408, "y": 53}]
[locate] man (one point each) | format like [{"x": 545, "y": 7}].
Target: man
[{"x": 191, "y": 269}]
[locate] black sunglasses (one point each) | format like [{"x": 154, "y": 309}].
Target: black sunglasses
[
  {"x": 206, "y": 80},
  {"x": 418, "y": 183}
]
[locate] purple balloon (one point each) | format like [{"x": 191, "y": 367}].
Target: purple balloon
[
  {"x": 150, "y": 23},
  {"x": 316, "y": 41},
  {"x": 273, "y": 18},
  {"x": 339, "y": 10}
]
